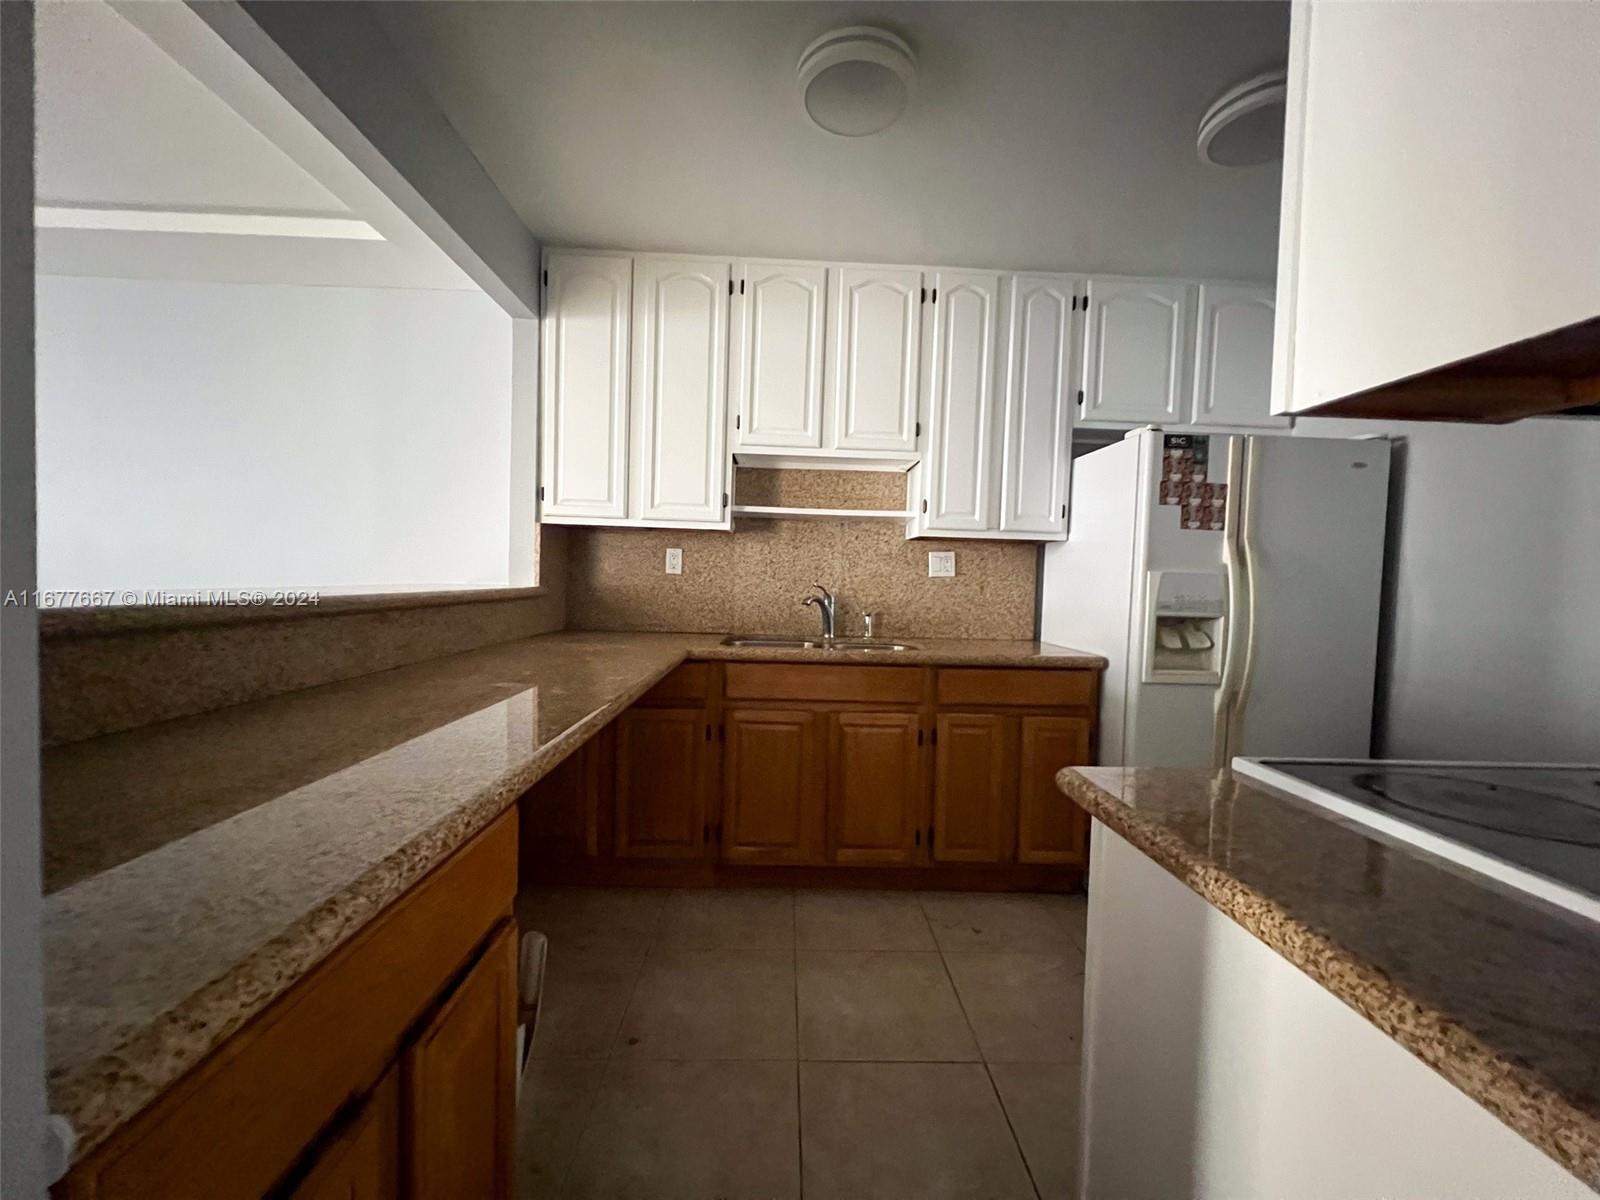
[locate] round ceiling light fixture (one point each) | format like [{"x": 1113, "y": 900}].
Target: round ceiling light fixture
[
  {"x": 857, "y": 80},
  {"x": 1244, "y": 128}
]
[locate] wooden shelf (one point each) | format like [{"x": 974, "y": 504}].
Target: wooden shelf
[{"x": 861, "y": 514}]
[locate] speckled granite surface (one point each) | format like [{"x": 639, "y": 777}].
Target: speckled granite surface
[
  {"x": 1494, "y": 990},
  {"x": 199, "y": 867}
]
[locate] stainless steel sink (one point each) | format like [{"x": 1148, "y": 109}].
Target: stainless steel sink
[{"x": 780, "y": 643}]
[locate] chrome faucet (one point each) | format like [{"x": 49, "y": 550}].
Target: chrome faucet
[{"x": 825, "y": 605}]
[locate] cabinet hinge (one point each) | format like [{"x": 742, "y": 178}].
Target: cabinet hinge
[
  {"x": 1080, "y": 397},
  {"x": 545, "y": 277},
  {"x": 541, "y": 491},
  {"x": 724, "y": 499},
  {"x": 736, "y": 420},
  {"x": 730, "y": 287},
  {"x": 924, "y": 298},
  {"x": 919, "y": 428},
  {"x": 722, "y": 733},
  {"x": 924, "y": 506},
  {"x": 1063, "y": 512},
  {"x": 741, "y": 287},
  {"x": 919, "y": 737},
  {"x": 918, "y": 838},
  {"x": 933, "y": 735},
  {"x": 708, "y": 733}
]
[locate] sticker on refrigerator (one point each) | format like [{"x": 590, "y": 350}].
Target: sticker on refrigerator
[{"x": 1185, "y": 459}]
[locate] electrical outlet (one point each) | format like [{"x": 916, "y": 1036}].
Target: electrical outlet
[
  {"x": 941, "y": 564},
  {"x": 674, "y": 562}
]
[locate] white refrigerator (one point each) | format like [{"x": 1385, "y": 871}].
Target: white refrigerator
[{"x": 1234, "y": 583}]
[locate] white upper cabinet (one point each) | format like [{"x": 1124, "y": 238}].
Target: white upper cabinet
[
  {"x": 1039, "y": 348},
  {"x": 874, "y": 349},
  {"x": 958, "y": 469},
  {"x": 1134, "y": 360},
  {"x": 780, "y": 313},
  {"x": 680, "y": 352},
  {"x": 1233, "y": 357},
  {"x": 1441, "y": 190},
  {"x": 584, "y": 385}
]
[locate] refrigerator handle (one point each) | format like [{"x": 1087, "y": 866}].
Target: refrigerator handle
[
  {"x": 1251, "y": 555},
  {"x": 1237, "y": 650}
]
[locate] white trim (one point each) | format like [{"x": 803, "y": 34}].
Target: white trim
[{"x": 250, "y": 224}]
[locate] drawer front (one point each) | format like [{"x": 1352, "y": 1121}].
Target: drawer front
[
  {"x": 690, "y": 682},
  {"x": 793, "y": 681},
  {"x": 1027, "y": 688}
]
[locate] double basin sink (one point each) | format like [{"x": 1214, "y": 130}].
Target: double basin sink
[{"x": 782, "y": 643}]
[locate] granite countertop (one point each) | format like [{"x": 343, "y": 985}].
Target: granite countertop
[
  {"x": 197, "y": 868},
  {"x": 1493, "y": 989}
]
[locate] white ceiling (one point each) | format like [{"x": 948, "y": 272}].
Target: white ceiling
[
  {"x": 147, "y": 119},
  {"x": 1047, "y": 135}
]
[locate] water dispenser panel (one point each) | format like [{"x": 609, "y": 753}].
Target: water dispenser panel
[{"x": 1184, "y": 626}]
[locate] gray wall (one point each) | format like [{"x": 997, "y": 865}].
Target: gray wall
[{"x": 1494, "y": 647}]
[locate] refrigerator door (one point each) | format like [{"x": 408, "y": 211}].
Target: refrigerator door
[{"x": 1311, "y": 543}]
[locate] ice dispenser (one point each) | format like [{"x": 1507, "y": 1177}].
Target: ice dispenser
[{"x": 1184, "y": 626}]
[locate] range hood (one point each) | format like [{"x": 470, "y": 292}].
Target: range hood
[{"x": 1555, "y": 373}]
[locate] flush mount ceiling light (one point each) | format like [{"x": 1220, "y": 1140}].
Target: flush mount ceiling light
[
  {"x": 1245, "y": 126},
  {"x": 855, "y": 81}
]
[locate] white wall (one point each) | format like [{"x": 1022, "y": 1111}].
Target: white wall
[
  {"x": 199, "y": 435},
  {"x": 1495, "y": 649}
]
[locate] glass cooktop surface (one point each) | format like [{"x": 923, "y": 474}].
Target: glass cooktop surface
[{"x": 1543, "y": 819}]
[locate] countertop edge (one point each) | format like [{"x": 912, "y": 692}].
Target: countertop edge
[
  {"x": 1521, "y": 1098},
  {"x": 98, "y": 1112}
]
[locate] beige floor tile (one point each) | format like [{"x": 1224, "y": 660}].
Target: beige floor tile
[
  {"x": 586, "y": 991},
  {"x": 552, "y": 1113},
  {"x": 879, "y": 1006},
  {"x": 1041, "y": 1101},
  {"x": 729, "y": 919},
  {"x": 861, "y": 921},
  {"x": 691, "y": 1131},
  {"x": 1073, "y": 913},
  {"x": 581, "y": 916},
  {"x": 1023, "y": 1007},
  {"x": 711, "y": 1004},
  {"x": 906, "y": 1131},
  {"x": 967, "y": 921}
]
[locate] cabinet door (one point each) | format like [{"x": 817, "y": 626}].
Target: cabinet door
[
  {"x": 461, "y": 1085},
  {"x": 970, "y": 792},
  {"x": 875, "y": 801},
  {"x": 1133, "y": 358},
  {"x": 959, "y": 473},
  {"x": 583, "y": 394},
  {"x": 362, "y": 1162},
  {"x": 661, "y": 755},
  {"x": 778, "y": 368},
  {"x": 1233, "y": 357},
  {"x": 772, "y": 791},
  {"x": 1038, "y": 409},
  {"x": 1050, "y": 828},
  {"x": 680, "y": 393},
  {"x": 874, "y": 350}
]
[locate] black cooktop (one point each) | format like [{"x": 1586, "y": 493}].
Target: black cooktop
[{"x": 1541, "y": 818}]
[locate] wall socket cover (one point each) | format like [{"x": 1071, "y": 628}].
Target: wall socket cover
[
  {"x": 941, "y": 564},
  {"x": 674, "y": 562}
]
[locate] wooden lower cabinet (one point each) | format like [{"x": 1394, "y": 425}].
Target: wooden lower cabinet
[
  {"x": 972, "y": 793},
  {"x": 772, "y": 786},
  {"x": 661, "y": 783},
  {"x": 460, "y": 1085},
  {"x": 875, "y": 791},
  {"x": 416, "y": 1015},
  {"x": 1048, "y": 830},
  {"x": 362, "y": 1162}
]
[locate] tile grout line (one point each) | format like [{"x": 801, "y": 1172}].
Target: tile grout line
[
  {"x": 799, "y": 1114},
  {"x": 988, "y": 1072}
]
